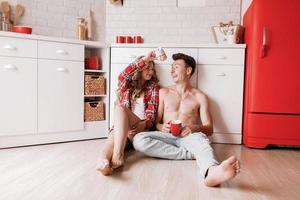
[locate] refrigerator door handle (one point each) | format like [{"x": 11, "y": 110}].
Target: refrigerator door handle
[{"x": 264, "y": 41}]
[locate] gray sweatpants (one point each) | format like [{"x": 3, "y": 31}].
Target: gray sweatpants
[{"x": 165, "y": 145}]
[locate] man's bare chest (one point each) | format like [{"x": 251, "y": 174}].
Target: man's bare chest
[{"x": 184, "y": 105}]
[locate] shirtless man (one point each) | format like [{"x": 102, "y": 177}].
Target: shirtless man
[{"x": 190, "y": 105}]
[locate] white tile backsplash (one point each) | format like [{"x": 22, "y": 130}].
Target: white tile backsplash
[
  {"x": 155, "y": 20},
  {"x": 59, "y": 17},
  {"x": 160, "y": 21}
]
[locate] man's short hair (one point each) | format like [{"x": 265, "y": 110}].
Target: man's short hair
[{"x": 189, "y": 60}]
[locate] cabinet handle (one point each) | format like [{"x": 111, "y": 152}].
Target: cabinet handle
[
  {"x": 132, "y": 56},
  {"x": 62, "y": 52},
  {"x": 62, "y": 69},
  {"x": 221, "y": 74},
  {"x": 10, "y": 67},
  {"x": 221, "y": 57},
  {"x": 9, "y": 47}
]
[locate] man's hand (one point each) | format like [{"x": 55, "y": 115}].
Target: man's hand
[
  {"x": 186, "y": 131},
  {"x": 166, "y": 127}
]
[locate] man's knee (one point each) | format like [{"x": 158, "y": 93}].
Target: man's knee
[{"x": 141, "y": 141}]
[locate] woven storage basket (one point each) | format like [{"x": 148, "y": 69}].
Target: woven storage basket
[
  {"x": 94, "y": 84},
  {"x": 94, "y": 111}
]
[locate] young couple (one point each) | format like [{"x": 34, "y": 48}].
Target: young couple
[{"x": 142, "y": 106}]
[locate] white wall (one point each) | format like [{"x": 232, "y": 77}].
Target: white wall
[
  {"x": 245, "y": 5},
  {"x": 59, "y": 17},
  {"x": 163, "y": 21},
  {"x": 155, "y": 20}
]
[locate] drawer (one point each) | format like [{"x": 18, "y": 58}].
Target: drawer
[
  {"x": 170, "y": 51},
  {"x": 18, "y": 47},
  {"x": 128, "y": 55},
  {"x": 60, "y": 51},
  {"x": 221, "y": 56}
]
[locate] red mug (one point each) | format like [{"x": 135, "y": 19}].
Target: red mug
[
  {"x": 92, "y": 62},
  {"x": 137, "y": 39},
  {"x": 120, "y": 39},
  {"x": 128, "y": 39},
  {"x": 175, "y": 127}
]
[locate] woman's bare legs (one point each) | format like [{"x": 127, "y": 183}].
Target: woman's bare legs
[
  {"x": 104, "y": 163},
  {"x": 124, "y": 120}
]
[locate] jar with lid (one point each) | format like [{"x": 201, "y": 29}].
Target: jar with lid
[{"x": 81, "y": 29}]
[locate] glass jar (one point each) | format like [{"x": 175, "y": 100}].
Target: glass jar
[
  {"x": 5, "y": 23},
  {"x": 0, "y": 21},
  {"x": 81, "y": 29}
]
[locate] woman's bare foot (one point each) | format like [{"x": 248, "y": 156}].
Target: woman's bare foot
[
  {"x": 227, "y": 170},
  {"x": 104, "y": 167},
  {"x": 117, "y": 160}
]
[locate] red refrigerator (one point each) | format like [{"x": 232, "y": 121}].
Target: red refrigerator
[{"x": 272, "y": 79}]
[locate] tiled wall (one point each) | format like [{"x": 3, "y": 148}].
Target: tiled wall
[
  {"x": 155, "y": 20},
  {"x": 59, "y": 17},
  {"x": 162, "y": 21}
]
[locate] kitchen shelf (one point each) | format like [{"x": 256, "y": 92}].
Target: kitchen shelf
[
  {"x": 101, "y": 95},
  {"x": 94, "y": 71}
]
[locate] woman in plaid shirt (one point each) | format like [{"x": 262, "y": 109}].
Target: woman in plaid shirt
[{"x": 135, "y": 110}]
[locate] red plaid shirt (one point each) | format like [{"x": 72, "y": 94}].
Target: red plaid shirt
[{"x": 151, "y": 92}]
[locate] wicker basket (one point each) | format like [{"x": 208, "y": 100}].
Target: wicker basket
[
  {"x": 94, "y": 84},
  {"x": 94, "y": 111}
]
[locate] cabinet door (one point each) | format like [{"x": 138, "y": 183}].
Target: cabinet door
[
  {"x": 60, "y": 96},
  {"x": 18, "y": 103},
  {"x": 224, "y": 86}
]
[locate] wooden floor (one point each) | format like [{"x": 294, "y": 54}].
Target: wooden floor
[{"x": 67, "y": 171}]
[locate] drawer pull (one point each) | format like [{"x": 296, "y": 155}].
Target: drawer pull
[
  {"x": 62, "y": 52},
  {"x": 221, "y": 74},
  {"x": 221, "y": 57},
  {"x": 10, "y": 67},
  {"x": 132, "y": 56},
  {"x": 62, "y": 69},
  {"x": 9, "y": 47}
]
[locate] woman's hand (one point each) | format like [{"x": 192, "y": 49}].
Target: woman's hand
[
  {"x": 138, "y": 127},
  {"x": 149, "y": 57}
]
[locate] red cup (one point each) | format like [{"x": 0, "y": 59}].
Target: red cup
[
  {"x": 120, "y": 39},
  {"x": 128, "y": 39},
  {"x": 175, "y": 127},
  {"x": 137, "y": 39},
  {"x": 92, "y": 63}
]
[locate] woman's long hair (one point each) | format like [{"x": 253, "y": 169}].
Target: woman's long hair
[{"x": 135, "y": 85}]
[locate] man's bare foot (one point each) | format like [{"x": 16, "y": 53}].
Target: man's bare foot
[
  {"x": 227, "y": 170},
  {"x": 104, "y": 167},
  {"x": 117, "y": 160}
]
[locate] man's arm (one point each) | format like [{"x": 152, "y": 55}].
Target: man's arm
[
  {"x": 207, "y": 123},
  {"x": 159, "y": 121}
]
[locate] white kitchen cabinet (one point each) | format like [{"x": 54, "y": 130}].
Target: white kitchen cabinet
[
  {"x": 18, "y": 107},
  {"x": 224, "y": 87},
  {"x": 42, "y": 88},
  {"x": 221, "y": 77},
  {"x": 60, "y": 96},
  {"x": 219, "y": 74}
]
